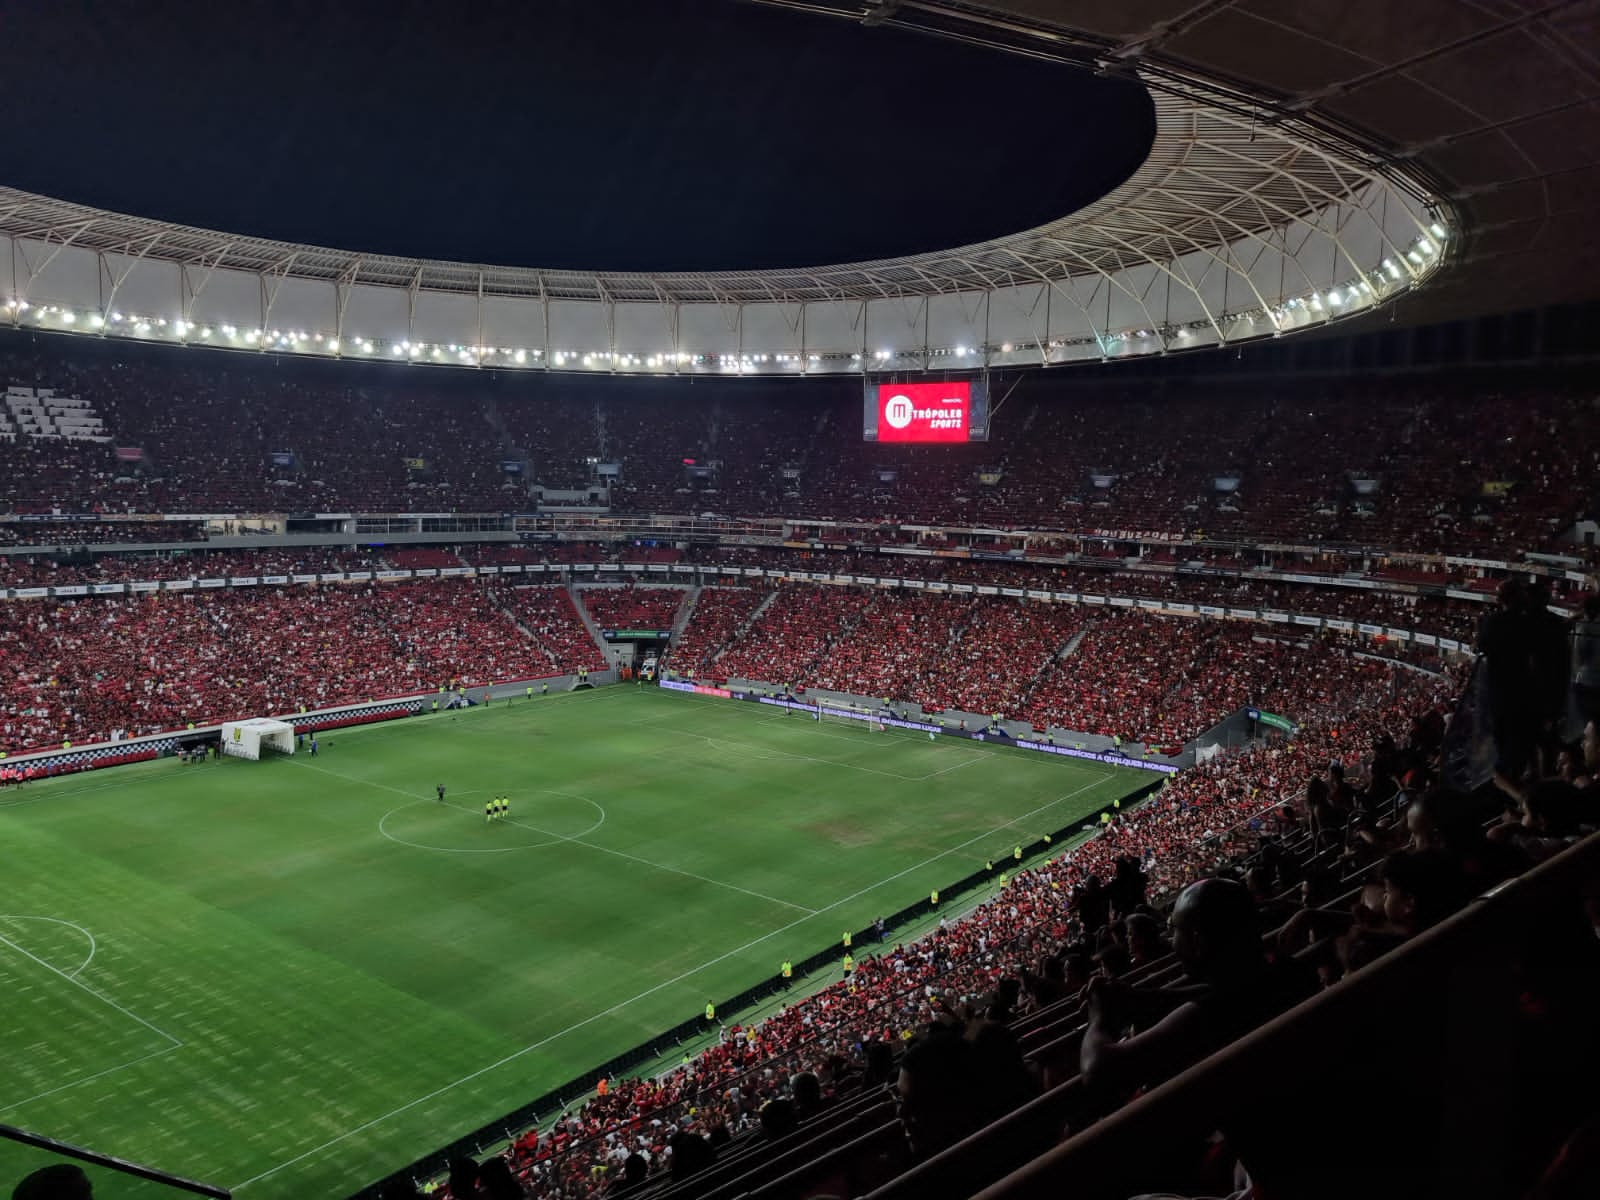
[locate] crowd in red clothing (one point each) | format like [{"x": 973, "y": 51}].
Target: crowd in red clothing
[
  {"x": 631, "y": 607},
  {"x": 718, "y": 614},
  {"x": 1202, "y": 820},
  {"x": 791, "y": 634},
  {"x": 551, "y": 618},
  {"x": 892, "y": 643},
  {"x": 1114, "y": 672},
  {"x": 1063, "y": 456},
  {"x": 1139, "y": 677},
  {"x": 114, "y": 667},
  {"x": 93, "y": 533}
]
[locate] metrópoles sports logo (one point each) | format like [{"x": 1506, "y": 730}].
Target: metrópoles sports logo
[{"x": 923, "y": 412}]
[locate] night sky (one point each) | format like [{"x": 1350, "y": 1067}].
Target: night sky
[{"x": 605, "y": 134}]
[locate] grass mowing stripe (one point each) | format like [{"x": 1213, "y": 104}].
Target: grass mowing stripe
[
  {"x": 78, "y": 983},
  {"x": 642, "y": 995},
  {"x": 322, "y": 976},
  {"x": 561, "y": 837}
]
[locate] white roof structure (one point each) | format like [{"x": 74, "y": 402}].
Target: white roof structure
[{"x": 1238, "y": 225}]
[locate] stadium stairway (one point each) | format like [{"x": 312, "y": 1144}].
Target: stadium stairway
[
  {"x": 517, "y": 621},
  {"x": 744, "y": 627},
  {"x": 588, "y": 621},
  {"x": 1071, "y": 648},
  {"x": 680, "y": 622}
]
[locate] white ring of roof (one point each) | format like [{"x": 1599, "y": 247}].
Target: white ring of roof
[{"x": 1233, "y": 228}]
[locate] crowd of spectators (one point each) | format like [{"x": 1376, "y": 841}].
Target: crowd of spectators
[
  {"x": 94, "y": 533},
  {"x": 33, "y": 570},
  {"x": 1092, "y": 913},
  {"x": 551, "y": 618},
  {"x": 1434, "y": 613},
  {"x": 632, "y": 607},
  {"x": 719, "y": 613},
  {"x": 792, "y": 633},
  {"x": 893, "y": 644},
  {"x": 110, "y": 667},
  {"x": 1121, "y": 673},
  {"x": 1399, "y": 465}
]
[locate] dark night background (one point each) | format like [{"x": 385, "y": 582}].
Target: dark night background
[{"x": 604, "y": 134}]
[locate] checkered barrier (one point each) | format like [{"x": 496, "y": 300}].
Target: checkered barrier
[
  {"x": 105, "y": 754},
  {"x": 367, "y": 714},
  {"x": 115, "y": 754}
]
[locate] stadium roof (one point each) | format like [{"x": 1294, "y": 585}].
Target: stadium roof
[
  {"x": 1495, "y": 102},
  {"x": 1258, "y": 212}
]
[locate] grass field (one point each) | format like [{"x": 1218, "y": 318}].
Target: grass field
[{"x": 292, "y": 977}]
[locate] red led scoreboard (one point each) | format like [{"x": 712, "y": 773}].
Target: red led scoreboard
[{"x": 953, "y": 411}]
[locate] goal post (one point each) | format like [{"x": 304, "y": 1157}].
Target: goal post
[{"x": 246, "y": 739}]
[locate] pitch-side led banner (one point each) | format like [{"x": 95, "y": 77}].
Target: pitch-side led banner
[{"x": 924, "y": 412}]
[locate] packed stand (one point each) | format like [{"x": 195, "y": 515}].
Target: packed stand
[
  {"x": 794, "y": 632},
  {"x": 894, "y": 645},
  {"x": 1376, "y": 464},
  {"x": 630, "y": 607},
  {"x": 108, "y": 668},
  {"x": 1092, "y": 913},
  {"x": 551, "y": 618},
  {"x": 718, "y": 614}
]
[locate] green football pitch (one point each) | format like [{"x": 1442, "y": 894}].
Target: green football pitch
[{"x": 295, "y": 976}]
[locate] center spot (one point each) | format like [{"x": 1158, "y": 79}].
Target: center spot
[{"x": 538, "y": 817}]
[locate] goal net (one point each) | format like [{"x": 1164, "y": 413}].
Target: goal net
[{"x": 246, "y": 739}]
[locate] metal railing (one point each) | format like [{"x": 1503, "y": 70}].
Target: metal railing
[
  {"x": 1454, "y": 983},
  {"x": 164, "y": 1181}
]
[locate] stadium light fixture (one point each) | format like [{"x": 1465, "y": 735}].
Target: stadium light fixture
[
  {"x": 67, "y": 318},
  {"x": 522, "y": 356},
  {"x": 1006, "y": 347},
  {"x": 1437, "y": 230}
]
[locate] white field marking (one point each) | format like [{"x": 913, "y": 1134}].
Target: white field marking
[
  {"x": 861, "y": 736},
  {"x": 91, "y": 1078},
  {"x": 366, "y": 731},
  {"x": 58, "y": 921},
  {"x": 966, "y": 762},
  {"x": 400, "y": 841},
  {"x": 59, "y": 793},
  {"x": 559, "y": 837},
  {"x": 768, "y": 753},
  {"x": 645, "y": 861},
  {"x": 620, "y": 1005},
  {"x": 78, "y": 983}
]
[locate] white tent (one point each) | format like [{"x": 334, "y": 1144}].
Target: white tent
[{"x": 245, "y": 739}]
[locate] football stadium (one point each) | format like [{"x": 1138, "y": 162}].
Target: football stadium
[{"x": 801, "y": 599}]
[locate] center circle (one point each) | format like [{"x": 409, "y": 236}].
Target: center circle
[{"x": 538, "y": 817}]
